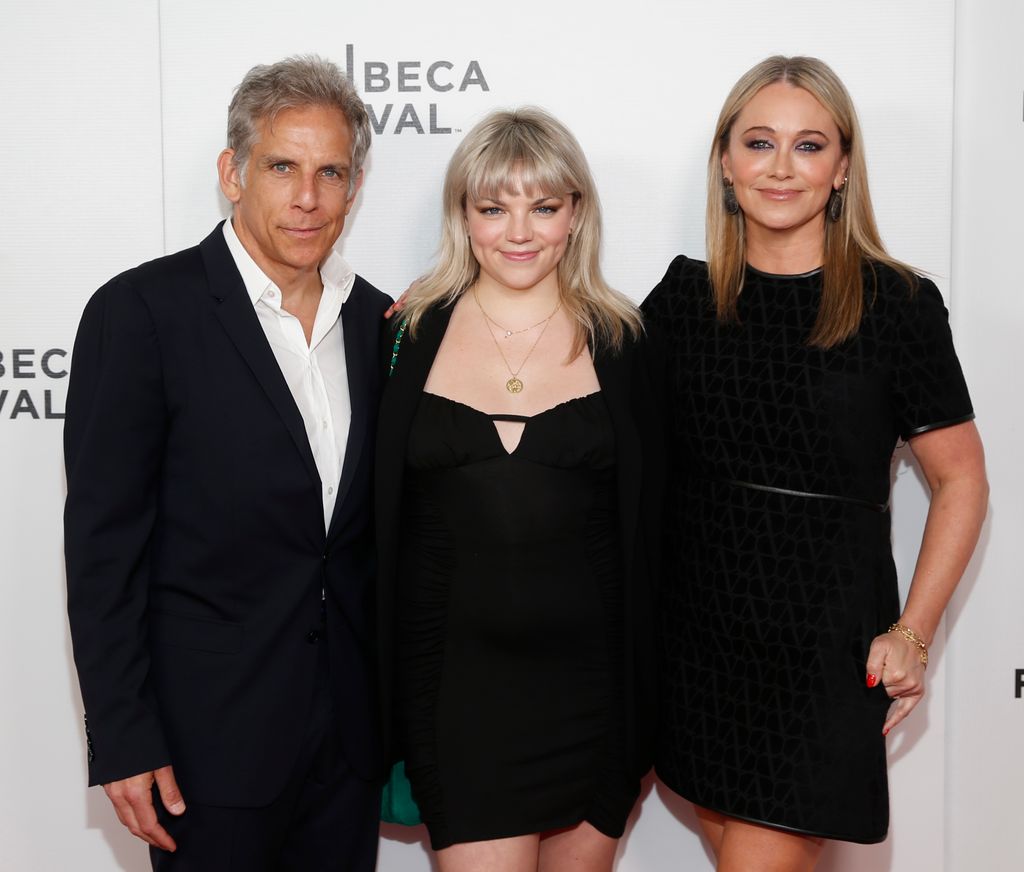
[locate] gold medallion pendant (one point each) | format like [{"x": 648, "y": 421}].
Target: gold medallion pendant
[{"x": 514, "y": 385}]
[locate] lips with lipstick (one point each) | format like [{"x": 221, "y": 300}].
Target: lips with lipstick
[{"x": 779, "y": 194}]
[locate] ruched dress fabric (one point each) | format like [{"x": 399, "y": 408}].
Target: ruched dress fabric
[
  {"x": 779, "y": 569},
  {"x": 510, "y": 636}
]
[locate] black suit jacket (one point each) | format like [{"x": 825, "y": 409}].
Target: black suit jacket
[
  {"x": 194, "y": 535},
  {"x": 629, "y": 383}
]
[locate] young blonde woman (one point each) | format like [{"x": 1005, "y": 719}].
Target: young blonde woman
[
  {"x": 517, "y": 464},
  {"x": 800, "y": 353}
]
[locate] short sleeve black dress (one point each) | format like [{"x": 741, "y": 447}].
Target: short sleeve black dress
[{"x": 779, "y": 568}]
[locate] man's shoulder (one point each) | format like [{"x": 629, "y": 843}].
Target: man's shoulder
[
  {"x": 169, "y": 270},
  {"x": 369, "y": 296},
  {"x": 171, "y": 267}
]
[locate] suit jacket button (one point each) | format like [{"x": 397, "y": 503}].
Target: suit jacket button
[{"x": 313, "y": 636}]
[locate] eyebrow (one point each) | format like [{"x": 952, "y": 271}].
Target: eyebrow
[
  {"x": 271, "y": 159},
  {"x": 537, "y": 202},
  {"x": 807, "y": 132}
]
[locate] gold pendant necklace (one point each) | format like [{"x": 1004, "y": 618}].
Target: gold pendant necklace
[{"x": 515, "y": 384}]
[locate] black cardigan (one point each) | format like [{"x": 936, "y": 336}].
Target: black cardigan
[{"x": 627, "y": 380}]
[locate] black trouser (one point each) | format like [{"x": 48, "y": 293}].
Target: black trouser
[{"x": 325, "y": 820}]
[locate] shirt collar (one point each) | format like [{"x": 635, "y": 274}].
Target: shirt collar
[{"x": 337, "y": 276}]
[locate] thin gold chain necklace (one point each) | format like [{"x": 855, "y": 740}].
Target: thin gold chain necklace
[
  {"x": 510, "y": 333},
  {"x": 515, "y": 384}
]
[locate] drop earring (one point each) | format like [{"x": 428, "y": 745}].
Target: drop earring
[
  {"x": 732, "y": 205},
  {"x": 836, "y": 201}
]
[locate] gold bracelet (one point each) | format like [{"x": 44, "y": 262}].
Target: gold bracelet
[{"x": 913, "y": 639}]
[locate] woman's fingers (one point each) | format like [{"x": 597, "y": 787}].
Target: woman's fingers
[{"x": 896, "y": 664}]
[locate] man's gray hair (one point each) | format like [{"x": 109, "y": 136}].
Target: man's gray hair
[{"x": 298, "y": 81}]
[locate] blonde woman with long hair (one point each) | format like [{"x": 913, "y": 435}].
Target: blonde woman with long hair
[
  {"x": 517, "y": 464},
  {"x": 799, "y": 354}
]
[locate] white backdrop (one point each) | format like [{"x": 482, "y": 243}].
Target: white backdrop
[{"x": 113, "y": 113}]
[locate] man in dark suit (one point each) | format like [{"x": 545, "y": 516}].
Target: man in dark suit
[{"x": 219, "y": 442}]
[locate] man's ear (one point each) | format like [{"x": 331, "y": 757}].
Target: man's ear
[{"x": 229, "y": 176}]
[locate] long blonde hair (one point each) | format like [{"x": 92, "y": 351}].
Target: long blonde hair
[
  {"x": 513, "y": 151},
  {"x": 850, "y": 242}
]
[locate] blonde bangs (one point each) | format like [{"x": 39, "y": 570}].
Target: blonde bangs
[{"x": 519, "y": 163}]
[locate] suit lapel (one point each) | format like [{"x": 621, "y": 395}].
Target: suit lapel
[
  {"x": 238, "y": 317},
  {"x": 360, "y": 339}
]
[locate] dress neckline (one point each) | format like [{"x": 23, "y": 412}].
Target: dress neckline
[
  {"x": 526, "y": 420},
  {"x": 504, "y": 416},
  {"x": 804, "y": 275}
]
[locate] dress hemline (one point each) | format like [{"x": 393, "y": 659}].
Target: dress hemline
[
  {"x": 859, "y": 840},
  {"x": 568, "y": 822}
]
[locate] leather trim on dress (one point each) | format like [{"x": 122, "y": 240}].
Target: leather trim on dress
[
  {"x": 938, "y": 425},
  {"x": 720, "y": 809},
  {"x": 804, "y": 275},
  {"x": 853, "y": 501}
]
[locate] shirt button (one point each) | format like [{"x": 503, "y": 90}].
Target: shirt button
[
  {"x": 325, "y": 424},
  {"x": 313, "y": 636},
  {"x": 330, "y": 491},
  {"x": 271, "y": 293}
]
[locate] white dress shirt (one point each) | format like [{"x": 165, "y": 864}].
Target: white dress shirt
[{"x": 316, "y": 372}]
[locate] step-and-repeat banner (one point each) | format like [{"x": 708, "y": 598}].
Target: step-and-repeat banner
[{"x": 113, "y": 115}]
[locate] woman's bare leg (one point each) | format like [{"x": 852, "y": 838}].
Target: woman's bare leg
[
  {"x": 713, "y": 825},
  {"x": 581, "y": 848},
  {"x": 748, "y": 847},
  {"x": 518, "y": 854}
]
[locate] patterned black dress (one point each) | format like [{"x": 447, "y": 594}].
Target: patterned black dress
[{"x": 779, "y": 569}]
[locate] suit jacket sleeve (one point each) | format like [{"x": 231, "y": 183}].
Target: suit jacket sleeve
[{"x": 115, "y": 428}]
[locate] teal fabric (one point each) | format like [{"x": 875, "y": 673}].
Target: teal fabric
[{"x": 396, "y": 803}]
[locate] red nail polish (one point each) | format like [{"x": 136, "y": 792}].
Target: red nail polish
[
  {"x": 872, "y": 680},
  {"x": 885, "y": 732}
]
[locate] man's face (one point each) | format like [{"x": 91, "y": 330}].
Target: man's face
[{"x": 290, "y": 207}]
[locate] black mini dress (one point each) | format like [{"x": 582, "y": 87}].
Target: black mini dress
[
  {"x": 779, "y": 565},
  {"x": 509, "y": 701}
]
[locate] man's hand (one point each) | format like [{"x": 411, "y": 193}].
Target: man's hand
[{"x": 133, "y": 802}]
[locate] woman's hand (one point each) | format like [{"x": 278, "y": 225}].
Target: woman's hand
[
  {"x": 896, "y": 663},
  {"x": 399, "y": 304}
]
